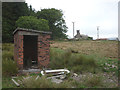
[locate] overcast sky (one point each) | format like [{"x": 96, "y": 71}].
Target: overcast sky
[{"x": 87, "y": 15}]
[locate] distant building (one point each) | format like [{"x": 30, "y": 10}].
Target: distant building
[{"x": 81, "y": 36}]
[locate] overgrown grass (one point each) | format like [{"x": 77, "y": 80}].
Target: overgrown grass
[
  {"x": 81, "y": 63},
  {"x": 7, "y": 82},
  {"x": 7, "y": 55},
  {"x": 76, "y": 62},
  {"x": 7, "y": 51},
  {"x": 108, "y": 64},
  {"x": 42, "y": 82},
  {"x": 7, "y": 47},
  {"x": 62, "y": 58},
  {"x": 94, "y": 81},
  {"x": 9, "y": 67}
]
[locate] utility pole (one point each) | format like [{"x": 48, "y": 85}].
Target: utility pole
[
  {"x": 73, "y": 29},
  {"x": 98, "y": 32}
]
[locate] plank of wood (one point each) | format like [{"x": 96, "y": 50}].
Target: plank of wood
[
  {"x": 37, "y": 77},
  {"x": 17, "y": 84}
]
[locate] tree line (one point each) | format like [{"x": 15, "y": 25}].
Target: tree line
[{"x": 19, "y": 14}]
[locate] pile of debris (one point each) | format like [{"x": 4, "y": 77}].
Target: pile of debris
[{"x": 56, "y": 76}]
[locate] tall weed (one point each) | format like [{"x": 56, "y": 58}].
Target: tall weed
[
  {"x": 7, "y": 55},
  {"x": 7, "y": 47},
  {"x": 9, "y": 67},
  {"x": 75, "y": 62},
  {"x": 94, "y": 81},
  {"x": 42, "y": 82}
]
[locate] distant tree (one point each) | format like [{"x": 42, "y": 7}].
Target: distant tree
[
  {"x": 11, "y": 11},
  {"x": 51, "y": 19},
  {"x": 32, "y": 22},
  {"x": 90, "y": 38},
  {"x": 31, "y": 11},
  {"x": 56, "y": 21}
]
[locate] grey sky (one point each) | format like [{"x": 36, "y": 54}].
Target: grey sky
[{"x": 87, "y": 15}]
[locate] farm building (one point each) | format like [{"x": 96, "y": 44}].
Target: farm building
[
  {"x": 31, "y": 48},
  {"x": 81, "y": 36}
]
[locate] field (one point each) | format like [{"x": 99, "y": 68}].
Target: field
[
  {"x": 107, "y": 49},
  {"x": 95, "y": 62}
]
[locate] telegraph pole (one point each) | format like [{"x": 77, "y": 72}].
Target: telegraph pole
[
  {"x": 73, "y": 29},
  {"x": 98, "y": 32}
]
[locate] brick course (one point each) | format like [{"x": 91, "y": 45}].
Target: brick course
[{"x": 43, "y": 50}]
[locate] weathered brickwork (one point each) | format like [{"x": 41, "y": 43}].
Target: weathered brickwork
[
  {"x": 42, "y": 48},
  {"x": 18, "y": 50},
  {"x": 16, "y": 47}
]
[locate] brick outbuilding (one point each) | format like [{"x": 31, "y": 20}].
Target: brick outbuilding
[{"x": 31, "y": 48}]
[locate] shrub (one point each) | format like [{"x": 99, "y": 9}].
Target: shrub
[
  {"x": 9, "y": 67},
  {"x": 32, "y": 22}
]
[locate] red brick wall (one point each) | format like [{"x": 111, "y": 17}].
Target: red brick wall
[
  {"x": 43, "y": 50},
  {"x": 20, "y": 58},
  {"x": 18, "y": 50},
  {"x": 16, "y": 47}
]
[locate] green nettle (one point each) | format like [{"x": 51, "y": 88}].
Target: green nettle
[{"x": 32, "y": 22}]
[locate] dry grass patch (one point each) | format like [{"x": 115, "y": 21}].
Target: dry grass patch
[{"x": 101, "y": 48}]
